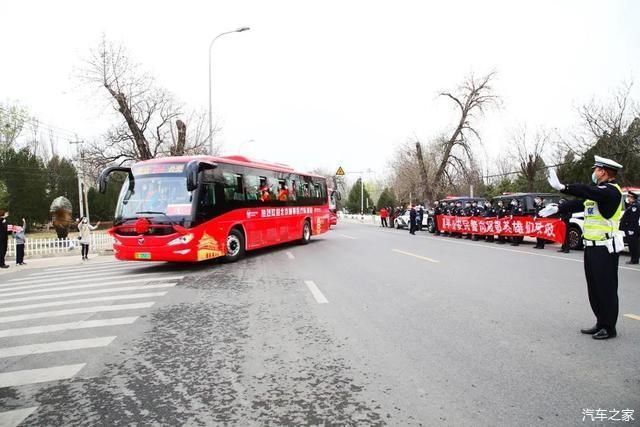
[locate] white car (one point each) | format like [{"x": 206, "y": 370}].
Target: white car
[{"x": 403, "y": 220}]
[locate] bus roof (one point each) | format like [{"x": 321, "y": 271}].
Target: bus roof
[{"x": 233, "y": 160}]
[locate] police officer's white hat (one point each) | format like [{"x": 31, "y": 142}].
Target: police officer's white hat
[
  {"x": 633, "y": 194},
  {"x": 601, "y": 162}
]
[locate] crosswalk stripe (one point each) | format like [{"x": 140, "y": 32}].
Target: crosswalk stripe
[
  {"x": 27, "y": 284},
  {"x": 83, "y": 301},
  {"x": 60, "y": 277},
  {"x": 47, "y": 288},
  {"x": 94, "y": 309},
  {"x": 34, "y": 376},
  {"x": 90, "y": 267},
  {"x": 92, "y": 263},
  {"x": 83, "y": 324},
  {"x": 52, "y": 347},
  {"x": 15, "y": 417},
  {"x": 91, "y": 292}
]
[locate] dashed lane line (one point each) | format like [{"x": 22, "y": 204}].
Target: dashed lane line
[
  {"x": 320, "y": 298},
  {"x": 15, "y": 417},
  {"x": 415, "y": 255},
  {"x": 348, "y": 237},
  {"x": 632, "y": 316},
  {"x": 34, "y": 376},
  {"x": 290, "y": 255}
]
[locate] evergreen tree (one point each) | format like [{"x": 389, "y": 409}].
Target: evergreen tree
[
  {"x": 25, "y": 177},
  {"x": 102, "y": 207},
  {"x": 63, "y": 181},
  {"x": 353, "y": 201},
  {"x": 386, "y": 198}
]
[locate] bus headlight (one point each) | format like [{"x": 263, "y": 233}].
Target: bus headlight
[{"x": 181, "y": 240}]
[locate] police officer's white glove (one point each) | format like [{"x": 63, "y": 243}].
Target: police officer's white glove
[
  {"x": 630, "y": 233},
  {"x": 548, "y": 210},
  {"x": 554, "y": 181}
]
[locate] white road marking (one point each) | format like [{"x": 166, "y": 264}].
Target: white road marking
[
  {"x": 34, "y": 376},
  {"x": 348, "y": 237},
  {"x": 91, "y": 292},
  {"x": 416, "y": 256},
  {"x": 81, "y": 269},
  {"x": 320, "y": 298},
  {"x": 83, "y": 301},
  {"x": 15, "y": 417},
  {"x": 76, "y": 278},
  {"x": 90, "y": 265},
  {"x": 83, "y": 310},
  {"x": 51, "y": 347},
  {"x": 83, "y": 324},
  {"x": 632, "y": 316},
  {"x": 290, "y": 255},
  {"x": 91, "y": 285},
  {"x": 69, "y": 276}
]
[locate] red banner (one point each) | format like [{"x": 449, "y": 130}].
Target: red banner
[{"x": 545, "y": 228}]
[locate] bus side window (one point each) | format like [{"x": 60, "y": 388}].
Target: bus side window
[
  {"x": 291, "y": 183},
  {"x": 233, "y": 188},
  {"x": 208, "y": 197},
  {"x": 252, "y": 187}
]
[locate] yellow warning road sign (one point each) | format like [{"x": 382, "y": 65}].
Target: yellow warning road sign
[{"x": 340, "y": 171}]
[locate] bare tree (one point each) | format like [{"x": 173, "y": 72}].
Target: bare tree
[
  {"x": 471, "y": 99},
  {"x": 146, "y": 112},
  {"x": 12, "y": 122},
  {"x": 528, "y": 150}
]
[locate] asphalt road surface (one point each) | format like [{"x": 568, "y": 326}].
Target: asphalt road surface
[{"x": 363, "y": 326}]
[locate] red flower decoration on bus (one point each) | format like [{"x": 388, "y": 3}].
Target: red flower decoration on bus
[{"x": 142, "y": 225}]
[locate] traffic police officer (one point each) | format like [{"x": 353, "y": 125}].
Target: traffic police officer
[
  {"x": 501, "y": 212},
  {"x": 629, "y": 224},
  {"x": 539, "y": 205},
  {"x": 602, "y": 204},
  {"x": 489, "y": 212}
]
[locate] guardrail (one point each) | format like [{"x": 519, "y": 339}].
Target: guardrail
[{"x": 99, "y": 242}]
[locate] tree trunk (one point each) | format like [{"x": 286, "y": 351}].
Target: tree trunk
[
  {"x": 141, "y": 142},
  {"x": 427, "y": 191},
  {"x": 178, "y": 150}
]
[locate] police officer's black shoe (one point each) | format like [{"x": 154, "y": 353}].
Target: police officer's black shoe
[
  {"x": 603, "y": 334},
  {"x": 591, "y": 330},
  {"x": 4, "y": 266},
  {"x": 538, "y": 247}
]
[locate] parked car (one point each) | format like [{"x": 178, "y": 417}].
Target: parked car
[{"x": 402, "y": 221}]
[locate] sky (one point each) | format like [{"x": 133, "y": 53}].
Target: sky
[{"x": 330, "y": 83}]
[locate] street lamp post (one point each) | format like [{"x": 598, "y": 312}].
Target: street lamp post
[{"x": 239, "y": 30}]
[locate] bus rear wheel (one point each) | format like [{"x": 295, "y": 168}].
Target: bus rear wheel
[
  {"x": 235, "y": 246},
  {"x": 306, "y": 233}
]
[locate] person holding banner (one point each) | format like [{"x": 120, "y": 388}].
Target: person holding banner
[
  {"x": 602, "y": 205},
  {"x": 4, "y": 237},
  {"x": 629, "y": 224}
]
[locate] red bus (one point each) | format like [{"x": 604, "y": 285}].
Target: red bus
[{"x": 189, "y": 209}]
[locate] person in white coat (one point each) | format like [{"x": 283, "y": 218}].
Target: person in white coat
[{"x": 85, "y": 235}]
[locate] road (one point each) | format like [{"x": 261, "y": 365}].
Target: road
[{"x": 364, "y": 326}]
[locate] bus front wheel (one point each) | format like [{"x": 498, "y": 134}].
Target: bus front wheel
[
  {"x": 306, "y": 232},
  {"x": 235, "y": 246}
]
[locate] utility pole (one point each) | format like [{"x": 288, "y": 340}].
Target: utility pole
[{"x": 82, "y": 192}]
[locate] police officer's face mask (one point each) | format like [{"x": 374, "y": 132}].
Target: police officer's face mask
[{"x": 594, "y": 178}]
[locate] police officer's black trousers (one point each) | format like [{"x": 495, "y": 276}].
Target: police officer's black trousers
[
  {"x": 3, "y": 252},
  {"x": 601, "y": 271},
  {"x": 634, "y": 247}
]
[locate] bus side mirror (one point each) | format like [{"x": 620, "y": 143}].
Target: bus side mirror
[
  {"x": 337, "y": 195},
  {"x": 193, "y": 168},
  {"x": 104, "y": 177}
]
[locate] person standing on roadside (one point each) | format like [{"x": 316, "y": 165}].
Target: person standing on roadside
[
  {"x": 20, "y": 237},
  {"x": 85, "y": 235},
  {"x": 383, "y": 217},
  {"x": 4, "y": 237},
  {"x": 566, "y": 219},
  {"x": 602, "y": 205},
  {"x": 629, "y": 224},
  {"x": 412, "y": 220}
]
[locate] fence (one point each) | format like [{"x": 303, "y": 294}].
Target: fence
[{"x": 99, "y": 242}]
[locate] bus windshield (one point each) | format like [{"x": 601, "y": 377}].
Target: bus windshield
[{"x": 155, "y": 194}]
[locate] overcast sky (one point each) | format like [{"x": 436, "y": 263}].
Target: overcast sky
[{"x": 330, "y": 83}]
